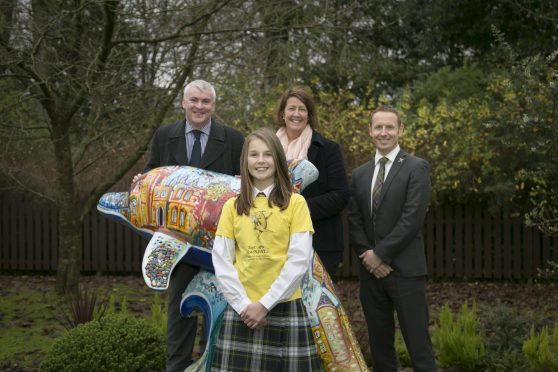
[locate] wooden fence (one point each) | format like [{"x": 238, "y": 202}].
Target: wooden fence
[{"x": 461, "y": 243}]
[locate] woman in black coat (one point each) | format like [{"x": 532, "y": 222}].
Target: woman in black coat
[{"x": 296, "y": 117}]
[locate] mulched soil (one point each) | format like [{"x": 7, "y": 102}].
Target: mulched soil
[
  {"x": 532, "y": 296},
  {"x": 536, "y": 297}
]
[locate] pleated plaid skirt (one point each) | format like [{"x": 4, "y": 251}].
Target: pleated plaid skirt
[{"x": 285, "y": 343}]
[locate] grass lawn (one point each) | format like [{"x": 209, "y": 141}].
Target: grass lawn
[
  {"x": 31, "y": 313},
  {"x": 28, "y": 326}
]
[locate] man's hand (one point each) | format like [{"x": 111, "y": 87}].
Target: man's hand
[
  {"x": 382, "y": 271},
  {"x": 370, "y": 260},
  {"x": 374, "y": 264},
  {"x": 254, "y": 315}
]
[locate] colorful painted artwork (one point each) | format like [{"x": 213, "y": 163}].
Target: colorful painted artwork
[{"x": 178, "y": 208}]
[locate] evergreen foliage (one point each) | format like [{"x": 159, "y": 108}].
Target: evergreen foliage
[
  {"x": 158, "y": 316},
  {"x": 457, "y": 339},
  {"x": 541, "y": 349},
  {"x": 115, "y": 342},
  {"x": 504, "y": 329}
]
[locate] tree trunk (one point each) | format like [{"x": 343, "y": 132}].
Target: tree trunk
[
  {"x": 69, "y": 224},
  {"x": 69, "y": 249}
]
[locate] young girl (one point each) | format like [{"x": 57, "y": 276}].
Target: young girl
[{"x": 261, "y": 252}]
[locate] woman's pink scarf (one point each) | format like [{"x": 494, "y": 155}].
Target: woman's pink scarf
[{"x": 297, "y": 148}]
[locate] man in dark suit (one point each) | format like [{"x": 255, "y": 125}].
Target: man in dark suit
[
  {"x": 198, "y": 140},
  {"x": 388, "y": 203}
]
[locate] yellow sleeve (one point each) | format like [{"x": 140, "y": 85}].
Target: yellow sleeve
[
  {"x": 300, "y": 215},
  {"x": 226, "y": 220}
]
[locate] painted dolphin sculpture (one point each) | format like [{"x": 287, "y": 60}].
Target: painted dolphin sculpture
[{"x": 178, "y": 207}]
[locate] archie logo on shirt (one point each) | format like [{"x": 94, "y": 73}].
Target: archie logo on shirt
[{"x": 260, "y": 222}]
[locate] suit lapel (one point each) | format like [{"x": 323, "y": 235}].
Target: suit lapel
[
  {"x": 395, "y": 168},
  {"x": 215, "y": 144},
  {"x": 176, "y": 143},
  {"x": 366, "y": 184}
]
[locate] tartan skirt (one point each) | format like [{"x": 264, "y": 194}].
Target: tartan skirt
[{"x": 285, "y": 343}]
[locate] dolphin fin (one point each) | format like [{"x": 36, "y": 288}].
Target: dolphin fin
[{"x": 162, "y": 254}]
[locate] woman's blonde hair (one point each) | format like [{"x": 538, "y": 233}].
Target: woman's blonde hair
[{"x": 281, "y": 194}]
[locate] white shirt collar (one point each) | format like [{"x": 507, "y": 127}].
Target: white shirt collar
[
  {"x": 267, "y": 191},
  {"x": 391, "y": 155}
]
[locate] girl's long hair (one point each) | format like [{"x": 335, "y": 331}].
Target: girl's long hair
[{"x": 281, "y": 194}]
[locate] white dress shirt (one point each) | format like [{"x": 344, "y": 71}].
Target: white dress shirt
[{"x": 391, "y": 158}]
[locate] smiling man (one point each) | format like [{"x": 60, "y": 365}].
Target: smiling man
[
  {"x": 388, "y": 203},
  {"x": 197, "y": 140}
]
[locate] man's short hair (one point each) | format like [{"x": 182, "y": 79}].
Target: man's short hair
[
  {"x": 386, "y": 108},
  {"x": 201, "y": 85}
]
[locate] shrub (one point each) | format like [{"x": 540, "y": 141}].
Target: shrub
[
  {"x": 112, "y": 307},
  {"x": 115, "y": 342},
  {"x": 457, "y": 340},
  {"x": 548, "y": 273},
  {"x": 159, "y": 314},
  {"x": 542, "y": 350},
  {"x": 504, "y": 329}
]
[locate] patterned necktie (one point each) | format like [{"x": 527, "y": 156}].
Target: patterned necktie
[
  {"x": 195, "y": 158},
  {"x": 378, "y": 185}
]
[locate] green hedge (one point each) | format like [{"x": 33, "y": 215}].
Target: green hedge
[{"x": 116, "y": 342}]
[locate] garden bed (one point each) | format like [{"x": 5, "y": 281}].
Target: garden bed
[{"x": 30, "y": 319}]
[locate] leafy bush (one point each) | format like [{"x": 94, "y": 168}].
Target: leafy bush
[
  {"x": 115, "y": 342},
  {"x": 542, "y": 350},
  {"x": 457, "y": 340},
  {"x": 504, "y": 329},
  {"x": 471, "y": 122},
  {"x": 549, "y": 273}
]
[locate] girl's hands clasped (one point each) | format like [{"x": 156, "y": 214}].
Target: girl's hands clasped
[{"x": 254, "y": 315}]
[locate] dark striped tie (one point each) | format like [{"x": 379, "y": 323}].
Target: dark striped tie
[
  {"x": 378, "y": 185},
  {"x": 195, "y": 158}
]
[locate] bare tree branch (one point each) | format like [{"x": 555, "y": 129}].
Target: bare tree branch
[
  {"x": 177, "y": 85},
  {"x": 20, "y": 186}
]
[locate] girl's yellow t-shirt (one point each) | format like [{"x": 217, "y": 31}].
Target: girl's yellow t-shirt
[{"x": 262, "y": 240}]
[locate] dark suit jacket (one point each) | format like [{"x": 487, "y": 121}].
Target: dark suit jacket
[
  {"x": 328, "y": 195},
  {"x": 221, "y": 154},
  {"x": 396, "y": 237}
]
